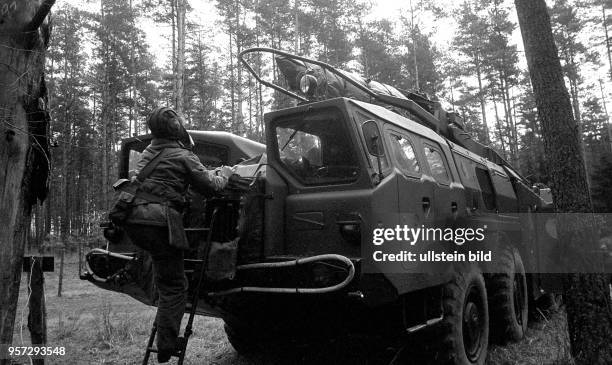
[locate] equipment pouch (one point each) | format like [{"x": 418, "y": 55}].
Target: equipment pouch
[
  {"x": 176, "y": 233},
  {"x": 221, "y": 261},
  {"x": 123, "y": 202}
]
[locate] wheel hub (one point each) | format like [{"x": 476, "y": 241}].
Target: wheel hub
[{"x": 472, "y": 327}]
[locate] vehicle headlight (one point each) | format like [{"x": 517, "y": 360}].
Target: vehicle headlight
[{"x": 308, "y": 85}]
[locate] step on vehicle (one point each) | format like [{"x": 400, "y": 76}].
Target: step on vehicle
[{"x": 350, "y": 156}]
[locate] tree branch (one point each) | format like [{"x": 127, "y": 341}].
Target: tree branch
[{"x": 39, "y": 17}]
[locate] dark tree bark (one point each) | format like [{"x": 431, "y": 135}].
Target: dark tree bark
[
  {"x": 23, "y": 143},
  {"x": 37, "y": 317},
  {"x": 586, "y": 295}
]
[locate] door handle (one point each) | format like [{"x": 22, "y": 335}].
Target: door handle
[
  {"x": 453, "y": 207},
  {"x": 426, "y": 203}
]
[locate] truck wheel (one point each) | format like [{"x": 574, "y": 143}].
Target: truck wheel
[
  {"x": 260, "y": 346},
  {"x": 508, "y": 298},
  {"x": 465, "y": 325},
  {"x": 241, "y": 341}
]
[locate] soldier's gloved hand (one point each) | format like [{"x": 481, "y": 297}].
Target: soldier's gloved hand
[
  {"x": 238, "y": 182},
  {"x": 225, "y": 171}
]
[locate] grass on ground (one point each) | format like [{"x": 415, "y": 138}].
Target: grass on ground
[{"x": 101, "y": 327}]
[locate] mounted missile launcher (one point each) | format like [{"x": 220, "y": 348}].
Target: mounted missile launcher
[{"x": 287, "y": 249}]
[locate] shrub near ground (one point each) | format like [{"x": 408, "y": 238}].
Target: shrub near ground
[{"x": 102, "y": 327}]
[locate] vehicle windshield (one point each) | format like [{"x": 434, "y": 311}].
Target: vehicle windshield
[
  {"x": 211, "y": 155},
  {"x": 317, "y": 149},
  {"x": 133, "y": 162}
]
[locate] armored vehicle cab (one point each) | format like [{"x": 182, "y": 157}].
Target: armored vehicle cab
[{"x": 351, "y": 157}]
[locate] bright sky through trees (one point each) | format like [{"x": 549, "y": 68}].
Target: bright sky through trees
[{"x": 207, "y": 20}]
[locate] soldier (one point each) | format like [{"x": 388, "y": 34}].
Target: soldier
[{"x": 155, "y": 222}]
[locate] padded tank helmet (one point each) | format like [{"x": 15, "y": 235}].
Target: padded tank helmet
[{"x": 164, "y": 122}]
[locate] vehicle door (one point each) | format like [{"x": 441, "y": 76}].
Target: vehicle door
[
  {"x": 415, "y": 188},
  {"x": 317, "y": 154},
  {"x": 444, "y": 200}
]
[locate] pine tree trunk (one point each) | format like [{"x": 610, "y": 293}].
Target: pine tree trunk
[
  {"x": 250, "y": 102},
  {"x": 61, "y": 272},
  {"x": 296, "y": 11},
  {"x": 65, "y": 201},
  {"x": 260, "y": 104},
  {"x": 132, "y": 76},
  {"x": 507, "y": 117},
  {"x": 232, "y": 78},
  {"x": 239, "y": 127},
  {"x": 499, "y": 129},
  {"x": 481, "y": 99},
  {"x": 578, "y": 117},
  {"x": 47, "y": 205},
  {"x": 417, "y": 84},
  {"x": 512, "y": 106},
  {"x": 587, "y": 296},
  {"x": 513, "y": 137},
  {"x": 608, "y": 124},
  {"x": 607, "y": 40},
  {"x": 173, "y": 17},
  {"x": 104, "y": 115},
  {"x": 180, "y": 56},
  {"x": 21, "y": 73}
]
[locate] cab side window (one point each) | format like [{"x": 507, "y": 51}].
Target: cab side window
[
  {"x": 465, "y": 167},
  {"x": 506, "y": 197},
  {"x": 467, "y": 173},
  {"x": 486, "y": 187},
  {"x": 211, "y": 155},
  {"x": 370, "y": 131},
  {"x": 405, "y": 155},
  {"x": 436, "y": 164}
]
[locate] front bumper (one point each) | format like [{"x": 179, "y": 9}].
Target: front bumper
[{"x": 131, "y": 273}]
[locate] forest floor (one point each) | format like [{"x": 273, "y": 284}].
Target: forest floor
[{"x": 102, "y": 327}]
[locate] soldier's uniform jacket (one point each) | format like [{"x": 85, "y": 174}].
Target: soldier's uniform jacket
[{"x": 178, "y": 169}]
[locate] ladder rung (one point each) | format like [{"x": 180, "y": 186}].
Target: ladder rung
[
  {"x": 197, "y": 229},
  {"x": 176, "y": 353}
]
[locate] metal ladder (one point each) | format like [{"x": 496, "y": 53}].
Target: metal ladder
[{"x": 183, "y": 340}]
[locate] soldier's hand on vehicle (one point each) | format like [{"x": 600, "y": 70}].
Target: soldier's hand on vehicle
[
  {"x": 237, "y": 182},
  {"x": 225, "y": 171}
]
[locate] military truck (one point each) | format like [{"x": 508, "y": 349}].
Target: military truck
[{"x": 350, "y": 156}]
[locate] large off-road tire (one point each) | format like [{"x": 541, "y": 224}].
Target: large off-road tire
[
  {"x": 259, "y": 345},
  {"x": 465, "y": 326},
  {"x": 241, "y": 340},
  {"x": 508, "y": 297}
]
